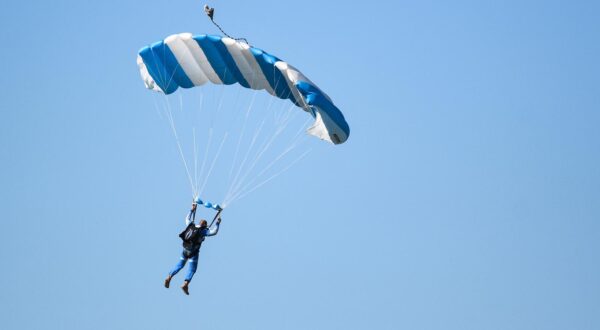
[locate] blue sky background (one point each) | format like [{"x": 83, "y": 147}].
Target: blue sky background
[{"x": 467, "y": 196}]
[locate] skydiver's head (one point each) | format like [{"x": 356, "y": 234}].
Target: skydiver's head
[{"x": 203, "y": 223}]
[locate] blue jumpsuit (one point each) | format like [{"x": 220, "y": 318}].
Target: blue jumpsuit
[{"x": 192, "y": 256}]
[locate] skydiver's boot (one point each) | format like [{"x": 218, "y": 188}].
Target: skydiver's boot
[
  {"x": 168, "y": 281},
  {"x": 184, "y": 287}
]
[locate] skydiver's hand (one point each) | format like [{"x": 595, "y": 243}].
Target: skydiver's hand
[
  {"x": 194, "y": 205},
  {"x": 219, "y": 221}
]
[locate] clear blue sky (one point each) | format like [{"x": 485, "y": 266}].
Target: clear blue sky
[{"x": 467, "y": 196}]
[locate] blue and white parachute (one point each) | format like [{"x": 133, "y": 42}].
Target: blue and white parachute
[{"x": 183, "y": 60}]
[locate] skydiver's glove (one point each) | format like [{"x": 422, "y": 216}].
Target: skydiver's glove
[{"x": 219, "y": 221}]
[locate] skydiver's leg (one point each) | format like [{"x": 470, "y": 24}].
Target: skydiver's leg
[
  {"x": 179, "y": 265},
  {"x": 192, "y": 268},
  {"x": 191, "y": 272},
  {"x": 175, "y": 270}
]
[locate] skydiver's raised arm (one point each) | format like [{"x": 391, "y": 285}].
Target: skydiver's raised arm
[
  {"x": 191, "y": 215},
  {"x": 214, "y": 229}
]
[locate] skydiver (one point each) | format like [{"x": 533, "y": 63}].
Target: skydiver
[{"x": 192, "y": 237}]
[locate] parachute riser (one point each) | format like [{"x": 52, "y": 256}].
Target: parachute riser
[{"x": 215, "y": 218}]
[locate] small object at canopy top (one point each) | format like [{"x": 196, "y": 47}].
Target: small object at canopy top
[{"x": 209, "y": 11}]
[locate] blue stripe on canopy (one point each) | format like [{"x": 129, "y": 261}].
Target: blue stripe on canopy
[
  {"x": 177, "y": 75},
  {"x": 164, "y": 65},
  {"x": 164, "y": 68},
  {"x": 230, "y": 62},
  {"x": 264, "y": 67},
  {"x": 155, "y": 68},
  {"x": 209, "y": 47},
  {"x": 273, "y": 75},
  {"x": 314, "y": 97}
]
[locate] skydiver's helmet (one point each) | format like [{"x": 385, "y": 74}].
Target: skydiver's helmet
[{"x": 203, "y": 223}]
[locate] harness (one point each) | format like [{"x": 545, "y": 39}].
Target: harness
[{"x": 193, "y": 236}]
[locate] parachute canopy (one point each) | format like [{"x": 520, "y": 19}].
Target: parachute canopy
[{"x": 183, "y": 60}]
